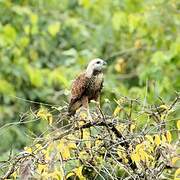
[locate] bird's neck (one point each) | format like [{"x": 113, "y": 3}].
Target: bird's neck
[
  {"x": 95, "y": 73},
  {"x": 89, "y": 73}
]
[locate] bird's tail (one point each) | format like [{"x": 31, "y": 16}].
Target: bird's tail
[
  {"x": 71, "y": 112},
  {"x": 73, "y": 107}
]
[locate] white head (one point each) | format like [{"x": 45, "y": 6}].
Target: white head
[{"x": 96, "y": 65}]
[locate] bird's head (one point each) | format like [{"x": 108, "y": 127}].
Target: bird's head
[{"x": 95, "y": 66}]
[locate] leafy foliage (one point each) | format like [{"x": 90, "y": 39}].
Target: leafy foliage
[
  {"x": 45, "y": 44},
  {"x": 107, "y": 148}
]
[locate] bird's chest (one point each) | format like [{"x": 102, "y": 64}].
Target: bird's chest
[{"x": 95, "y": 83}]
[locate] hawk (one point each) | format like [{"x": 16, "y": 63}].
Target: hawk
[{"x": 87, "y": 86}]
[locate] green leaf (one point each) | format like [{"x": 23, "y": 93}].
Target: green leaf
[
  {"x": 175, "y": 48},
  {"x": 54, "y": 28},
  {"x": 134, "y": 22},
  {"x": 119, "y": 20},
  {"x": 58, "y": 77},
  {"x": 85, "y": 3},
  {"x": 21, "y": 10},
  {"x": 35, "y": 76},
  {"x": 9, "y": 34},
  {"x": 24, "y": 41},
  {"x": 6, "y": 88},
  {"x": 159, "y": 58},
  {"x": 34, "y": 18}
]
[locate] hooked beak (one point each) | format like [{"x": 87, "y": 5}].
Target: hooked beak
[{"x": 104, "y": 63}]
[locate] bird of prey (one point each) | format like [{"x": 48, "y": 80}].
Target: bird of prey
[{"x": 87, "y": 86}]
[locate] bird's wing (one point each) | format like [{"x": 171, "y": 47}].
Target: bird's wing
[
  {"x": 78, "y": 87},
  {"x": 96, "y": 96},
  {"x": 102, "y": 82}
]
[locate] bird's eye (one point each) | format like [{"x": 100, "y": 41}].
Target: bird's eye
[{"x": 98, "y": 62}]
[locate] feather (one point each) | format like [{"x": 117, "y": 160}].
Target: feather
[
  {"x": 87, "y": 86},
  {"x": 78, "y": 88}
]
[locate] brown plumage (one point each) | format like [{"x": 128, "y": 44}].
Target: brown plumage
[{"x": 87, "y": 86}]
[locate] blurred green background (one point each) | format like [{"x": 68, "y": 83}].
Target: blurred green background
[{"x": 45, "y": 44}]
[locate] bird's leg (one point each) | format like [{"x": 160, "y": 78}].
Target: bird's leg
[
  {"x": 96, "y": 101},
  {"x": 85, "y": 104}
]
